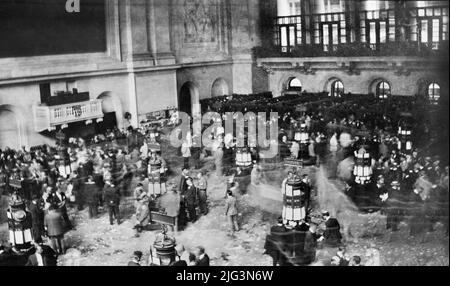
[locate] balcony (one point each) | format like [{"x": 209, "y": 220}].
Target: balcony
[
  {"x": 395, "y": 32},
  {"x": 49, "y": 117}
]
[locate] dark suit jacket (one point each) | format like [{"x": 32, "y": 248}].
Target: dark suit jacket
[
  {"x": 47, "y": 259},
  {"x": 181, "y": 263},
  {"x": 204, "y": 261},
  {"x": 332, "y": 232}
]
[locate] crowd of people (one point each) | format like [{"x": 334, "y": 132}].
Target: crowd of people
[{"x": 98, "y": 172}]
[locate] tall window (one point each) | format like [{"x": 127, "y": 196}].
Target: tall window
[
  {"x": 337, "y": 88},
  {"x": 434, "y": 92},
  {"x": 383, "y": 90},
  {"x": 295, "y": 84}
]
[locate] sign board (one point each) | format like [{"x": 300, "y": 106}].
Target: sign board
[
  {"x": 162, "y": 218},
  {"x": 41, "y": 118}
]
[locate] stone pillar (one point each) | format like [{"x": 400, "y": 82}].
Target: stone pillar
[
  {"x": 242, "y": 74},
  {"x": 132, "y": 95}
]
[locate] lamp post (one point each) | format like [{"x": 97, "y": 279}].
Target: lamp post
[
  {"x": 363, "y": 166},
  {"x": 19, "y": 224},
  {"x": 404, "y": 145},
  {"x": 294, "y": 200},
  {"x": 243, "y": 157}
]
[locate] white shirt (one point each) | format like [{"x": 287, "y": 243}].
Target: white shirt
[{"x": 39, "y": 259}]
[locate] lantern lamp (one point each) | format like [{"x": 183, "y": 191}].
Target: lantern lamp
[
  {"x": 404, "y": 145},
  {"x": 243, "y": 157},
  {"x": 363, "y": 166},
  {"x": 19, "y": 224},
  {"x": 294, "y": 203},
  {"x": 163, "y": 251}
]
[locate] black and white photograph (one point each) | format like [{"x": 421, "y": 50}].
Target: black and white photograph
[{"x": 250, "y": 133}]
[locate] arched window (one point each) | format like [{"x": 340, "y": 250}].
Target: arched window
[
  {"x": 434, "y": 92},
  {"x": 295, "y": 84},
  {"x": 337, "y": 88},
  {"x": 383, "y": 90}
]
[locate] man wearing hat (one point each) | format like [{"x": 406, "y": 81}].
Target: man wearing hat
[
  {"x": 332, "y": 234},
  {"x": 91, "y": 192},
  {"x": 191, "y": 199},
  {"x": 275, "y": 243},
  {"x": 112, "y": 200}
]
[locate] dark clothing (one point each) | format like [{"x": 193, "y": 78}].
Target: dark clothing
[
  {"x": 55, "y": 224},
  {"x": 37, "y": 219},
  {"x": 310, "y": 247},
  {"x": 181, "y": 263},
  {"x": 91, "y": 191},
  {"x": 204, "y": 261},
  {"x": 111, "y": 198},
  {"x": 114, "y": 212},
  {"x": 46, "y": 260},
  {"x": 275, "y": 245},
  {"x": 133, "y": 263},
  {"x": 183, "y": 186},
  {"x": 332, "y": 233},
  {"x": 111, "y": 195},
  {"x": 190, "y": 199}
]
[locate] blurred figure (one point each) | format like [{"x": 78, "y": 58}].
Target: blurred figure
[{"x": 55, "y": 226}]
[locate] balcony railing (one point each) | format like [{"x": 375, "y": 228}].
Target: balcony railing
[
  {"x": 48, "y": 117},
  {"x": 422, "y": 28}
]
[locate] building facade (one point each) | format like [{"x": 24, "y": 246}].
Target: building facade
[
  {"x": 157, "y": 55},
  {"x": 140, "y": 56}
]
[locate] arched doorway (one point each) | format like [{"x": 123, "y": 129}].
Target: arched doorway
[
  {"x": 383, "y": 90},
  {"x": 112, "y": 112},
  {"x": 10, "y": 129},
  {"x": 219, "y": 88},
  {"x": 187, "y": 97},
  {"x": 337, "y": 88}
]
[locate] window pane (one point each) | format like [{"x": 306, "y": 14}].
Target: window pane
[
  {"x": 424, "y": 31},
  {"x": 325, "y": 35},
  {"x": 283, "y": 36},
  {"x": 335, "y": 34},
  {"x": 373, "y": 36},
  {"x": 382, "y": 32}
]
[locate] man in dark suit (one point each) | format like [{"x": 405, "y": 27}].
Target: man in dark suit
[
  {"x": 332, "y": 234},
  {"x": 182, "y": 187},
  {"x": 310, "y": 244},
  {"x": 91, "y": 195},
  {"x": 275, "y": 243},
  {"x": 203, "y": 258},
  {"x": 37, "y": 218},
  {"x": 111, "y": 197},
  {"x": 190, "y": 199},
  {"x": 44, "y": 256}
]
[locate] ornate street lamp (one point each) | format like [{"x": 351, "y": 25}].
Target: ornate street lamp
[
  {"x": 294, "y": 203},
  {"x": 19, "y": 224},
  {"x": 363, "y": 166},
  {"x": 404, "y": 145},
  {"x": 243, "y": 157}
]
